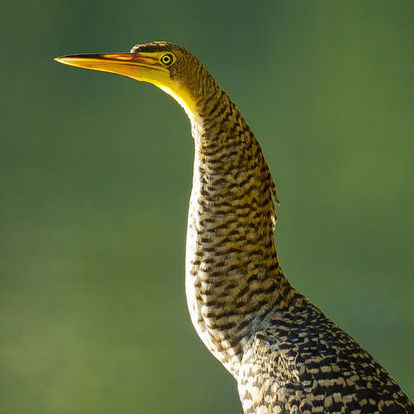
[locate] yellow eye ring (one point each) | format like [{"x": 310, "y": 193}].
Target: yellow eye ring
[{"x": 167, "y": 59}]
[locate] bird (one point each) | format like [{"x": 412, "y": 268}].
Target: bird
[{"x": 284, "y": 353}]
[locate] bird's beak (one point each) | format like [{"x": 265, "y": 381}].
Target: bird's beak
[
  {"x": 133, "y": 65},
  {"x": 142, "y": 66}
]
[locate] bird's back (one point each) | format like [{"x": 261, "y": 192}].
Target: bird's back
[{"x": 301, "y": 362}]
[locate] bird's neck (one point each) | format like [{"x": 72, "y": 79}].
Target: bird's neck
[{"x": 233, "y": 278}]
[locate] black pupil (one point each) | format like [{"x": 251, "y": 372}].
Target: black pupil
[{"x": 166, "y": 59}]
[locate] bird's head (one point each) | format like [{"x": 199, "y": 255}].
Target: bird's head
[{"x": 166, "y": 65}]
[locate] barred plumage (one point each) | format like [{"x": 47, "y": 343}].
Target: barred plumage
[{"x": 286, "y": 356}]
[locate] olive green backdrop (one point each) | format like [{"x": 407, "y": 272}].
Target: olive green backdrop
[{"x": 95, "y": 176}]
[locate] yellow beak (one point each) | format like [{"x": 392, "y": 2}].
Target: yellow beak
[
  {"x": 127, "y": 64},
  {"x": 144, "y": 66}
]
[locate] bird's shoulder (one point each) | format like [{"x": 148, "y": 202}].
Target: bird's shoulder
[{"x": 308, "y": 362}]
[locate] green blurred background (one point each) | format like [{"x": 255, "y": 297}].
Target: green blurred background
[{"x": 96, "y": 175}]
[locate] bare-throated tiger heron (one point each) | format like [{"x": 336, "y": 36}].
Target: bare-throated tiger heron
[{"x": 285, "y": 354}]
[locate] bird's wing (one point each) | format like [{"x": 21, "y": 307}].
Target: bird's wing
[
  {"x": 330, "y": 374},
  {"x": 272, "y": 379}
]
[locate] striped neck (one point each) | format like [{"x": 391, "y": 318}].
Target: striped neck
[{"x": 233, "y": 278}]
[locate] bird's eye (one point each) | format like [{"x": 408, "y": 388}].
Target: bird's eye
[{"x": 167, "y": 59}]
